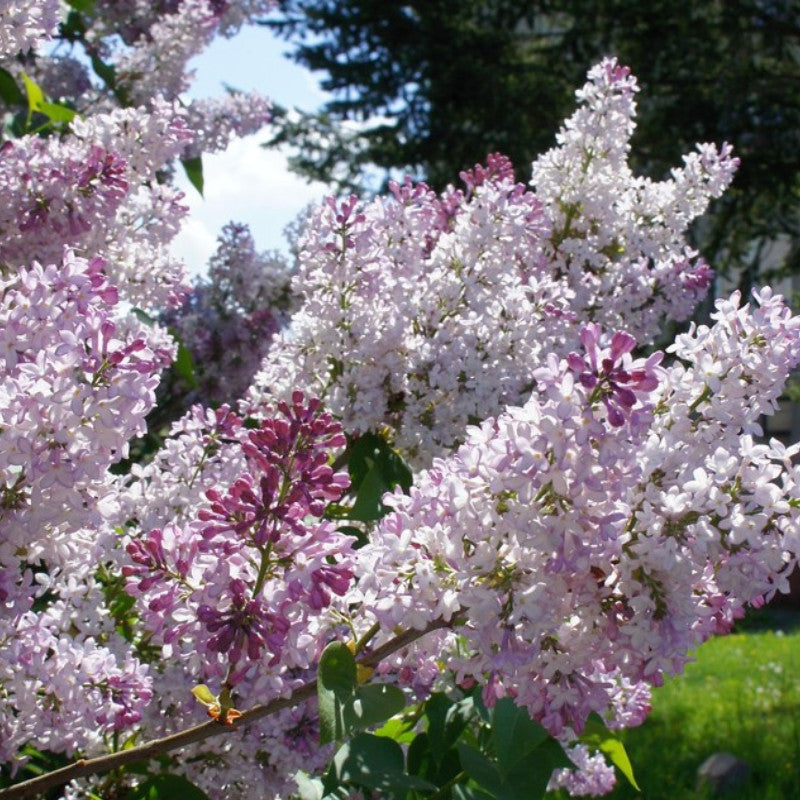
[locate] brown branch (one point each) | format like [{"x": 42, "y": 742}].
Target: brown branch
[{"x": 198, "y": 733}]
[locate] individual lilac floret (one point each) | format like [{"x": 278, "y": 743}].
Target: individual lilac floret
[{"x": 610, "y": 372}]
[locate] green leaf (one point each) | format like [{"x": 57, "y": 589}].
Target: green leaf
[
  {"x": 193, "y": 167},
  {"x": 446, "y": 721},
  {"x": 372, "y": 704},
  {"x": 519, "y": 777},
  {"x": 344, "y": 706},
  {"x": 351, "y": 530},
  {"x": 184, "y": 365},
  {"x": 462, "y": 791},
  {"x": 401, "y": 730},
  {"x": 40, "y": 761},
  {"x": 39, "y": 105},
  {"x": 480, "y": 769},
  {"x": 104, "y": 71},
  {"x": 143, "y": 316},
  {"x": 34, "y": 94},
  {"x": 204, "y": 694},
  {"x": 336, "y": 684},
  {"x": 9, "y": 91},
  {"x": 419, "y": 754},
  {"x": 529, "y": 777},
  {"x": 514, "y": 734},
  {"x": 375, "y": 762},
  {"x": 597, "y": 736},
  {"x": 81, "y": 5},
  {"x": 73, "y": 28},
  {"x": 375, "y": 469},
  {"x": 57, "y": 112},
  {"x": 372, "y": 449},
  {"x": 166, "y": 787},
  {"x": 368, "y": 506}
]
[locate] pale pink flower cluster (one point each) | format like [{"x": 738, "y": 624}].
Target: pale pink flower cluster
[
  {"x": 25, "y": 24},
  {"x": 259, "y": 761},
  {"x": 619, "y": 240},
  {"x": 216, "y": 122},
  {"x": 158, "y": 62},
  {"x": 585, "y": 542},
  {"x": 245, "y": 280},
  {"x": 422, "y": 312},
  {"x": 170, "y": 488},
  {"x": 150, "y": 45},
  {"x": 54, "y": 194},
  {"x": 591, "y": 776},
  {"x": 99, "y": 187},
  {"x": 603, "y": 514},
  {"x": 96, "y": 190},
  {"x": 75, "y": 384}
]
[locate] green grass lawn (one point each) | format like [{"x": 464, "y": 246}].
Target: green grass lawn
[{"x": 741, "y": 695}]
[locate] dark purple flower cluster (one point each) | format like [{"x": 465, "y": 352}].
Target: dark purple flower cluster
[
  {"x": 246, "y": 582},
  {"x": 288, "y": 477}
]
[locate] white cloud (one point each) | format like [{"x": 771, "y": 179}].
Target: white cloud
[{"x": 246, "y": 184}]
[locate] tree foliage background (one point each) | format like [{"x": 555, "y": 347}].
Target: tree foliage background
[{"x": 432, "y": 86}]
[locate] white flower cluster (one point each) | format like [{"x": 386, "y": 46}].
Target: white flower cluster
[
  {"x": 229, "y": 318},
  {"x": 618, "y": 240},
  {"x": 95, "y": 190},
  {"x": 217, "y": 122},
  {"x": 422, "y": 312},
  {"x": 156, "y": 64},
  {"x": 150, "y": 45},
  {"x": 25, "y": 24}
]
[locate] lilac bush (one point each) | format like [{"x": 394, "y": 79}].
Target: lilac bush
[{"x": 583, "y": 510}]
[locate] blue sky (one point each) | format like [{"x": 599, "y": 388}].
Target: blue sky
[{"x": 247, "y": 183}]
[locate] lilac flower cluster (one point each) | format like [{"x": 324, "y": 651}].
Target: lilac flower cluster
[
  {"x": 26, "y": 23},
  {"x": 150, "y": 45},
  {"x": 217, "y": 122},
  {"x": 603, "y": 515},
  {"x": 424, "y": 311},
  {"x": 229, "y": 318},
  {"x": 75, "y": 384},
  {"x": 619, "y": 240},
  {"x": 238, "y": 592},
  {"x": 79, "y": 374},
  {"x": 583, "y": 543},
  {"x": 99, "y": 189},
  {"x": 96, "y": 190},
  {"x": 58, "y": 195}
]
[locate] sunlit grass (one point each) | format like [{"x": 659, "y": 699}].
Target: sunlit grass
[{"x": 742, "y": 696}]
